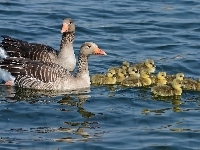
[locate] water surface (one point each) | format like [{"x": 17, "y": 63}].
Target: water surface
[{"x": 106, "y": 117}]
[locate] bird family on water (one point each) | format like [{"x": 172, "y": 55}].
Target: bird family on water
[{"x": 38, "y": 66}]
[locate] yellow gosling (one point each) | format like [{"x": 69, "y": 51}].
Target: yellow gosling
[
  {"x": 148, "y": 66},
  {"x": 110, "y": 78},
  {"x": 121, "y": 75},
  {"x": 133, "y": 72},
  {"x": 159, "y": 79},
  {"x": 125, "y": 66},
  {"x": 170, "y": 78},
  {"x": 97, "y": 79},
  {"x": 143, "y": 80},
  {"x": 167, "y": 90}
]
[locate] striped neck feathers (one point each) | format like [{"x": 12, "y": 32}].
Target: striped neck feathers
[
  {"x": 82, "y": 64},
  {"x": 67, "y": 38}
]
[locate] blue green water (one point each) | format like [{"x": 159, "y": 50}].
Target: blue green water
[{"x": 106, "y": 117}]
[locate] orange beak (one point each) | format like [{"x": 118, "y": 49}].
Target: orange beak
[
  {"x": 98, "y": 51},
  {"x": 65, "y": 28}
]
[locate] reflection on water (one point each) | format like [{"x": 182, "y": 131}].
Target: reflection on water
[
  {"x": 68, "y": 100},
  {"x": 107, "y": 117}
]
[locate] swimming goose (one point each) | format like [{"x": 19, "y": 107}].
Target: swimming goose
[
  {"x": 159, "y": 79},
  {"x": 170, "y": 78},
  {"x": 167, "y": 90},
  {"x": 143, "y": 80},
  {"x": 49, "y": 76},
  {"x": 34, "y": 51},
  {"x": 148, "y": 66}
]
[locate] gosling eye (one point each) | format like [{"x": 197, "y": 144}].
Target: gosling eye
[
  {"x": 70, "y": 22},
  {"x": 89, "y": 46}
]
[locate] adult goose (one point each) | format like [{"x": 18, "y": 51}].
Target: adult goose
[
  {"x": 65, "y": 58},
  {"x": 49, "y": 76}
]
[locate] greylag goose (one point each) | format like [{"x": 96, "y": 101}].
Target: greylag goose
[
  {"x": 34, "y": 51},
  {"x": 166, "y": 90},
  {"x": 148, "y": 66},
  {"x": 41, "y": 75}
]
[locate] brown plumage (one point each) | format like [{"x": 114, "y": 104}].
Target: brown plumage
[
  {"x": 49, "y": 76},
  {"x": 65, "y": 58}
]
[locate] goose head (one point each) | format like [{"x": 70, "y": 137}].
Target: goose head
[
  {"x": 133, "y": 71},
  {"x": 149, "y": 63},
  {"x": 111, "y": 73},
  {"x": 125, "y": 65},
  {"x": 68, "y": 25},
  {"x": 177, "y": 83},
  {"x": 90, "y": 48},
  {"x": 180, "y": 76},
  {"x": 161, "y": 75}
]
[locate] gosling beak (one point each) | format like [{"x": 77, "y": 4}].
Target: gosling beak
[
  {"x": 98, "y": 51},
  {"x": 65, "y": 28}
]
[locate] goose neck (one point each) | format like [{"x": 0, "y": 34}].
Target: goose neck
[{"x": 67, "y": 39}]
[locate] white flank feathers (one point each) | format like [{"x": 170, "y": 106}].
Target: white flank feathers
[
  {"x": 6, "y": 76},
  {"x": 3, "y": 53}
]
